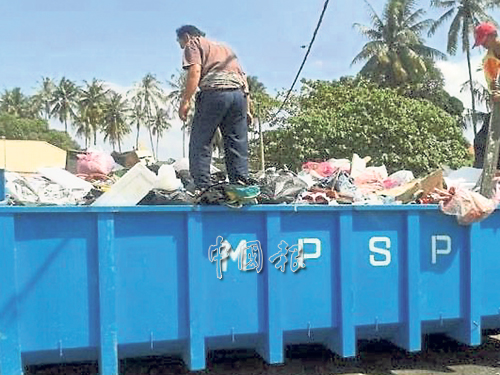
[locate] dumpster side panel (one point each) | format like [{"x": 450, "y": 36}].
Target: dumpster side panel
[
  {"x": 303, "y": 294},
  {"x": 151, "y": 277},
  {"x": 98, "y": 283},
  {"x": 443, "y": 245},
  {"x": 488, "y": 249},
  {"x": 57, "y": 283},
  {"x": 232, "y": 303},
  {"x": 378, "y": 241}
]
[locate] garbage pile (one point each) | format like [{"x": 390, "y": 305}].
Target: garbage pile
[{"x": 136, "y": 178}]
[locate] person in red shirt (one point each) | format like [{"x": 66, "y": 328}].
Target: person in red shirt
[
  {"x": 222, "y": 102},
  {"x": 486, "y": 36}
]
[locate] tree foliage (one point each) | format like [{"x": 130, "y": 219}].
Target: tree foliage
[
  {"x": 14, "y": 127},
  {"x": 14, "y": 102},
  {"x": 337, "y": 119},
  {"x": 431, "y": 88},
  {"x": 115, "y": 122}
]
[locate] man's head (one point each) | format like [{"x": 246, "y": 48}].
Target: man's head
[
  {"x": 485, "y": 34},
  {"x": 184, "y": 33}
]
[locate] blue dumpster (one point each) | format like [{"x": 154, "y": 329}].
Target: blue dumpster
[
  {"x": 84, "y": 283},
  {"x": 2, "y": 184}
]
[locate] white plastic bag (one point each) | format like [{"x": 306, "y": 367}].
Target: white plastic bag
[{"x": 167, "y": 180}]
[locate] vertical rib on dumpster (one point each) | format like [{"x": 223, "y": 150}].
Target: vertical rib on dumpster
[
  {"x": 475, "y": 284},
  {"x": 344, "y": 341},
  {"x": 108, "y": 352},
  {"x": 410, "y": 337},
  {"x": 195, "y": 356},
  {"x": 10, "y": 351},
  {"x": 272, "y": 350},
  {"x": 469, "y": 330}
]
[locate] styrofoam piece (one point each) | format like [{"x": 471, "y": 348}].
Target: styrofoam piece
[
  {"x": 466, "y": 178},
  {"x": 66, "y": 179},
  {"x": 129, "y": 189}
]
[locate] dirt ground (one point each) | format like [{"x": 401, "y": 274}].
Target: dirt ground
[{"x": 440, "y": 355}]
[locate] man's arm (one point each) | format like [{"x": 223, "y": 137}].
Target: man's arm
[{"x": 192, "y": 81}]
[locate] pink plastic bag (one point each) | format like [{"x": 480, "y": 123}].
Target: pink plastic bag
[
  {"x": 398, "y": 179},
  {"x": 371, "y": 175},
  {"x": 324, "y": 169},
  {"x": 94, "y": 162},
  {"x": 468, "y": 206}
]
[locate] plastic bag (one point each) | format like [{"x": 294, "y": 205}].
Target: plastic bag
[
  {"x": 340, "y": 164},
  {"x": 281, "y": 188},
  {"x": 371, "y": 174},
  {"x": 319, "y": 170},
  {"x": 167, "y": 180},
  {"x": 95, "y": 162},
  {"x": 469, "y": 207},
  {"x": 163, "y": 197},
  {"x": 344, "y": 184},
  {"x": 398, "y": 179}
]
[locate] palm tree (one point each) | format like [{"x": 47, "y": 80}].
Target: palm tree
[
  {"x": 14, "y": 102},
  {"x": 44, "y": 96},
  {"x": 82, "y": 127},
  {"x": 65, "y": 101},
  {"x": 178, "y": 83},
  {"x": 159, "y": 124},
  {"x": 115, "y": 122},
  {"x": 92, "y": 102},
  {"x": 137, "y": 117},
  {"x": 396, "y": 52},
  {"x": 466, "y": 15},
  {"x": 148, "y": 94}
]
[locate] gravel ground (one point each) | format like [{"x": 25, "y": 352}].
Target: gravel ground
[{"x": 441, "y": 355}]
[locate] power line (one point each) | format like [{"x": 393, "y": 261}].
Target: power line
[{"x": 325, "y": 6}]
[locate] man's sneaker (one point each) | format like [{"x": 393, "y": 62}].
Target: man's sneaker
[{"x": 238, "y": 195}]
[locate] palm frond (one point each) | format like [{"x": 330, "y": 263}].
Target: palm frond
[
  {"x": 453, "y": 33},
  {"x": 371, "y": 34},
  {"x": 440, "y": 21},
  {"x": 376, "y": 21}
]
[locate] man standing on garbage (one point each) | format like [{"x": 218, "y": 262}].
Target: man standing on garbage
[{"x": 221, "y": 102}]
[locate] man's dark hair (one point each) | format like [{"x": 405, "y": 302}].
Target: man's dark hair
[{"x": 190, "y": 30}]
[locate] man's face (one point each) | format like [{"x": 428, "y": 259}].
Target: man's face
[{"x": 183, "y": 40}]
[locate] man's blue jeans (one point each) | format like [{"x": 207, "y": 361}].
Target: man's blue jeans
[{"x": 226, "y": 109}]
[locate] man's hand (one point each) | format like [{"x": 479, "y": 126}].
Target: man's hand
[{"x": 183, "y": 110}]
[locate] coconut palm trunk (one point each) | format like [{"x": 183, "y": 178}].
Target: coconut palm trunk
[
  {"x": 157, "y": 143},
  {"x": 152, "y": 143},
  {"x": 474, "y": 121},
  {"x": 137, "y": 136}
]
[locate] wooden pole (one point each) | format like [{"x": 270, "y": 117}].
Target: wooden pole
[{"x": 491, "y": 153}]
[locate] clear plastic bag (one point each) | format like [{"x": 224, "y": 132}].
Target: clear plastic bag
[{"x": 469, "y": 207}]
